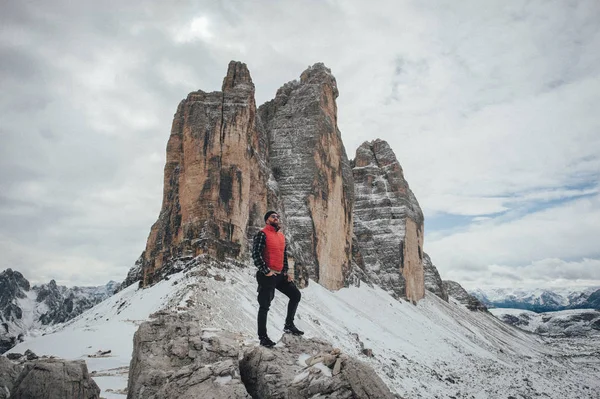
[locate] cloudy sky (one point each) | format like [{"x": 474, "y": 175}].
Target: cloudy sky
[{"x": 492, "y": 108}]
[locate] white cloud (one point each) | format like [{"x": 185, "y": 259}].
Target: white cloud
[{"x": 197, "y": 29}]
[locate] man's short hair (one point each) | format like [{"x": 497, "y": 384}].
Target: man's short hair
[{"x": 268, "y": 214}]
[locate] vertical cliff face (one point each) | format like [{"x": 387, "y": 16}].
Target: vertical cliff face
[
  {"x": 215, "y": 180},
  {"x": 388, "y": 222},
  {"x": 313, "y": 175}
]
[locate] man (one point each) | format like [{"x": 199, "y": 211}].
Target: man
[{"x": 269, "y": 253}]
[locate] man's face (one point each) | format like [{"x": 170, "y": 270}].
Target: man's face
[{"x": 273, "y": 220}]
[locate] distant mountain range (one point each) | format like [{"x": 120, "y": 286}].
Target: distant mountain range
[
  {"x": 540, "y": 300},
  {"x": 24, "y": 308}
]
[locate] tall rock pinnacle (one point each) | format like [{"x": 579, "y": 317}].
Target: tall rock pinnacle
[
  {"x": 313, "y": 174},
  {"x": 388, "y": 222},
  {"x": 215, "y": 180}
]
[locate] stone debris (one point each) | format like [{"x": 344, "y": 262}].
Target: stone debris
[{"x": 326, "y": 372}]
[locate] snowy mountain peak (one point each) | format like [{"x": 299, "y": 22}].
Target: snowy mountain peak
[{"x": 540, "y": 300}]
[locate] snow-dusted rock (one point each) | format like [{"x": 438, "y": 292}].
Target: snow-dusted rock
[
  {"x": 174, "y": 358},
  {"x": 569, "y": 323},
  {"x": 305, "y": 368},
  {"x": 388, "y": 222},
  {"x": 433, "y": 281},
  {"x": 456, "y": 291},
  {"x": 23, "y": 308},
  {"x": 312, "y": 174},
  {"x": 55, "y": 378}
]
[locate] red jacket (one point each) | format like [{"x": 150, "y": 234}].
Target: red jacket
[{"x": 274, "y": 252}]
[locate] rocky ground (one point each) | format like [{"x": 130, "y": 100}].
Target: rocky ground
[{"x": 432, "y": 350}]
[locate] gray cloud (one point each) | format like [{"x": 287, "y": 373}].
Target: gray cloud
[{"x": 490, "y": 108}]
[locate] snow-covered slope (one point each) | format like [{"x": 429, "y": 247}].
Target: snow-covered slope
[
  {"x": 433, "y": 349},
  {"x": 540, "y": 300},
  {"x": 26, "y": 310},
  {"x": 573, "y": 322}
]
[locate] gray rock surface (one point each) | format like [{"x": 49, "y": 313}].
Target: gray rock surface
[
  {"x": 55, "y": 378},
  {"x": 308, "y": 368},
  {"x": 8, "y": 375},
  {"x": 433, "y": 281},
  {"x": 388, "y": 221},
  {"x": 174, "y": 358},
  {"x": 456, "y": 291},
  {"x": 313, "y": 175}
]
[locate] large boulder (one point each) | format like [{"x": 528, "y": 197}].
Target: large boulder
[
  {"x": 388, "y": 222},
  {"x": 55, "y": 378},
  {"x": 308, "y": 368},
  {"x": 312, "y": 175},
  {"x": 174, "y": 358},
  {"x": 215, "y": 179},
  {"x": 8, "y": 375}
]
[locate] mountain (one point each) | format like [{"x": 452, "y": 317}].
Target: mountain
[
  {"x": 540, "y": 300},
  {"x": 24, "y": 308},
  {"x": 431, "y": 349},
  {"x": 345, "y": 221},
  {"x": 574, "y": 322}
]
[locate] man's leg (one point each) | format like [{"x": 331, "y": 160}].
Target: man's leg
[
  {"x": 289, "y": 289},
  {"x": 266, "y": 292}
]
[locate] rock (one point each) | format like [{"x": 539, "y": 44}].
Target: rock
[
  {"x": 215, "y": 180},
  {"x": 30, "y": 355},
  {"x": 13, "y": 286},
  {"x": 14, "y": 356},
  {"x": 8, "y": 375},
  {"x": 312, "y": 174},
  {"x": 388, "y": 222},
  {"x": 433, "y": 281},
  {"x": 367, "y": 352},
  {"x": 55, "y": 378},
  {"x": 456, "y": 291},
  {"x": 277, "y": 373},
  {"x": 173, "y": 357}
]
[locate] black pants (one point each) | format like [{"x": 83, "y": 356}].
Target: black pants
[{"x": 266, "y": 293}]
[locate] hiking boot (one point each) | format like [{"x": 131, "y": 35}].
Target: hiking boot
[
  {"x": 266, "y": 342},
  {"x": 292, "y": 329}
]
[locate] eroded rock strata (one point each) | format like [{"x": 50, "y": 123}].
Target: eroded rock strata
[
  {"x": 388, "y": 222},
  {"x": 215, "y": 180},
  {"x": 309, "y": 163}
]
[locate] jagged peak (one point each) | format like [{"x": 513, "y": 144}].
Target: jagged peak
[
  {"x": 319, "y": 74},
  {"x": 237, "y": 75}
]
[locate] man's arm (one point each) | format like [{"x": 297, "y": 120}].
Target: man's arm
[
  {"x": 285, "y": 261},
  {"x": 258, "y": 246}
]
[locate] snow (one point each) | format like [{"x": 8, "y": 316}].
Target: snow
[{"x": 431, "y": 349}]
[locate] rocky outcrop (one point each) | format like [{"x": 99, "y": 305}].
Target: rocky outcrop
[
  {"x": 456, "y": 291},
  {"x": 8, "y": 375},
  {"x": 13, "y": 286},
  {"x": 388, "y": 222},
  {"x": 433, "y": 281},
  {"x": 55, "y": 378},
  {"x": 313, "y": 175},
  {"x": 174, "y": 358},
  {"x": 215, "y": 179},
  {"x": 307, "y": 368}
]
